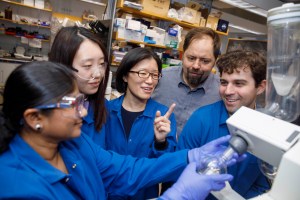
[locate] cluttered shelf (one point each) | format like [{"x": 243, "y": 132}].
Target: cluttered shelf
[
  {"x": 25, "y": 23},
  {"x": 29, "y": 6},
  {"x": 28, "y": 37},
  {"x": 142, "y": 43},
  {"x": 93, "y": 2},
  {"x": 155, "y": 16},
  {"x": 121, "y": 6}
]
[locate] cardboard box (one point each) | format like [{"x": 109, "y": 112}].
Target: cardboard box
[
  {"x": 183, "y": 34},
  {"x": 29, "y": 2},
  {"x": 159, "y": 7},
  {"x": 133, "y": 25},
  {"x": 120, "y": 32},
  {"x": 212, "y": 22},
  {"x": 194, "y": 5},
  {"x": 39, "y": 4},
  {"x": 160, "y": 39},
  {"x": 197, "y": 18},
  {"x": 202, "y": 22},
  {"x": 189, "y": 15},
  {"x": 120, "y": 22}
]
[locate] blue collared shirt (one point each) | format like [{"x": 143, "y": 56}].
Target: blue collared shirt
[
  {"x": 172, "y": 89},
  {"x": 92, "y": 171},
  {"x": 209, "y": 123}
]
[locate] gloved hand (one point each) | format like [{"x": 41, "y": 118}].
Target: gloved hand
[
  {"x": 212, "y": 148},
  {"x": 194, "y": 186}
]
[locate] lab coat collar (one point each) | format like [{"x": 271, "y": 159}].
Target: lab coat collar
[
  {"x": 33, "y": 160},
  {"x": 117, "y": 105},
  {"x": 89, "y": 119}
]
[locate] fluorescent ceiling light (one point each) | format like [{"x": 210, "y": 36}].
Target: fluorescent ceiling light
[
  {"x": 246, "y": 6},
  {"x": 245, "y": 29}
]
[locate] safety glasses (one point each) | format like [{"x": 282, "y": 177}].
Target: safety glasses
[{"x": 67, "y": 102}]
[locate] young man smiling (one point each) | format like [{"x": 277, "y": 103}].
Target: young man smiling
[{"x": 242, "y": 79}]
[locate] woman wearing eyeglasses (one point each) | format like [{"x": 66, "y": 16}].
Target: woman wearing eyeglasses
[
  {"x": 83, "y": 51},
  {"x": 136, "y": 124},
  {"x": 43, "y": 154}
]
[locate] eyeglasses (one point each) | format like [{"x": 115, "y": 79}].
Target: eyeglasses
[
  {"x": 144, "y": 74},
  {"x": 67, "y": 102},
  {"x": 91, "y": 72}
]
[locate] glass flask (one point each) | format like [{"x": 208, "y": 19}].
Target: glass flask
[{"x": 217, "y": 164}]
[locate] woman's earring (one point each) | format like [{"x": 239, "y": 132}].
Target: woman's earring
[{"x": 38, "y": 127}]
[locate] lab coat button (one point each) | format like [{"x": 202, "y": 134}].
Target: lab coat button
[
  {"x": 74, "y": 166},
  {"x": 67, "y": 179}
]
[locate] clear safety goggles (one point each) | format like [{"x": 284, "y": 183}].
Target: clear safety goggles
[
  {"x": 91, "y": 73},
  {"x": 76, "y": 103}
]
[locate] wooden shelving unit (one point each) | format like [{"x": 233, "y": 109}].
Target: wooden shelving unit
[
  {"x": 121, "y": 7},
  {"x": 17, "y": 36},
  {"x": 21, "y": 4},
  {"x": 154, "y": 16},
  {"x": 23, "y": 23},
  {"x": 143, "y": 43},
  {"x": 93, "y": 2}
]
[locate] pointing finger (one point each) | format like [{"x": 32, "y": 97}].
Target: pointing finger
[
  {"x": 170, "y": 111},
  {"x": 157, "y": 114}
]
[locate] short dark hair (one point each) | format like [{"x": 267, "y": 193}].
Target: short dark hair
[
  {"x": 199, "y": 33},
  {"x": 133, "y": 57},
  {"x": 64, "y": 48},
  {"x": 234, "y": 60},
  {"x": 30, "y": 85}
]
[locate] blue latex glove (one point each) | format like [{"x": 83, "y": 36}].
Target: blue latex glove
[
  {"x": 212, "y": 148},
  {"x": 194, "y": 186}
]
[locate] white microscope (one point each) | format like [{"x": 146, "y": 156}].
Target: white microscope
[{"x": 270, "y": 135}]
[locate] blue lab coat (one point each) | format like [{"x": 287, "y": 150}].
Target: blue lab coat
[
  {"x": 92, "y": 171},
  {"x": 88, "y": 127},
  {"x": 141, "y": 139}
]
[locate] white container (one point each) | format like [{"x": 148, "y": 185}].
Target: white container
[
  {"x": 39, "y": 4},
  {"x": 29, "y": 2}
]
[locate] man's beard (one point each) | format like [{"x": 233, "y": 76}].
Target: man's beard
[{"x": 195, "y": 81}]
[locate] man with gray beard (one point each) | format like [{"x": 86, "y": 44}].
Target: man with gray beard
[{"x": 191, "y": 85}]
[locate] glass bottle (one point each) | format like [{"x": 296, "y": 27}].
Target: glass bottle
[{"x": 215, "y": 164}]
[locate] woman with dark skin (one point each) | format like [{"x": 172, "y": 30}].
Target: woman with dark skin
[{"x": 43, "y": 154}]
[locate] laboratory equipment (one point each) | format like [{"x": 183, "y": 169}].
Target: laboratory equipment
[
  {"x": 217, "y": 164},
  {"x": 269, "y": 134},
  {"x": 283, "y": 70},
  {"x": 274, "y": 141}
]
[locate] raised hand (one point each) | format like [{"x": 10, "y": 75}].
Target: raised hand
[{"x": 162, "y": 124}]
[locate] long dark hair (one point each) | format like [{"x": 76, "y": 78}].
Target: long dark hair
[
  {"x": 30, "y": 85},
  {"x": 64, "y": 48}
]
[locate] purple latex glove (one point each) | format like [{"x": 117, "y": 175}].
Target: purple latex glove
[
  {"x": 194, "y": 186},
  {"x": 212, "y": 148}
]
